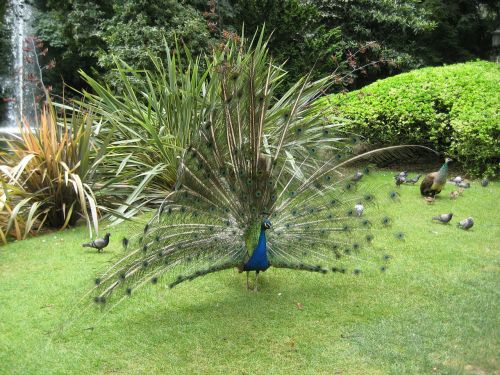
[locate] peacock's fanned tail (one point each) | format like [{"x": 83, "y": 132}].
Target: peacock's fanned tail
[{"x": 255, "y": 157}]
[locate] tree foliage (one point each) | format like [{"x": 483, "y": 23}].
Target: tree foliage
[
  {"x": 88, "y": 35},
  {"x": 325, "y": 33},
  {"x": 462, "y": 32},
  {"x": 319, "y": 34}
]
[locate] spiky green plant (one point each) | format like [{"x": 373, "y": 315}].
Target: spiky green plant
[{"x": 150, "y": 118}]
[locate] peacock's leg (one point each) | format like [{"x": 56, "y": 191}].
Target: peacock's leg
[
  {"x": 248, "y": 282},
  {"x": 255, "y": 288}
]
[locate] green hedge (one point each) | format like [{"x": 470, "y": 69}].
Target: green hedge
[{"x": 454, "y": 109}]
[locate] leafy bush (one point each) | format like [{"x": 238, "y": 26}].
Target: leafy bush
[{"x": 454, "y": 109}]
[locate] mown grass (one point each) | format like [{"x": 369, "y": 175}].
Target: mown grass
[{"x": 434, "y": 311}]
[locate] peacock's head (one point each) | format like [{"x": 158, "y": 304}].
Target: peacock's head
[
  {"x": 448, "y": 160},
  {"x": 266, "y": 224}
]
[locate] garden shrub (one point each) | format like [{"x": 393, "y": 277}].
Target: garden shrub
[{"x": 453, "y": 109}]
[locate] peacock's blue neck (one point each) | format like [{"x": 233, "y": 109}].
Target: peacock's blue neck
[
  {"x": 258, "y": 261},
  {"x": 442, "y": 173}
]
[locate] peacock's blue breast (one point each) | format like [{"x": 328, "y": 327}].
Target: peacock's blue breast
[{"x": 258, "y": 261}]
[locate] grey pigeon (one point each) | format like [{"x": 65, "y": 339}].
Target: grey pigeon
[
  {"x": 484, "y": 182},
  {"x": 400, "y": 180},
  {"x": 443, "y": 218},
  {"x": 359, "y": 208},
  {"x": 357, "y": 176},
  {"x": 99, "y": 243},
  {"x": 457, "y": 180},
  {"x": 466, "y": 223},
  {"x": 464, "y": 185},
  {"x": 414, "y": 180},
  {"x": 401, "y": 174}
]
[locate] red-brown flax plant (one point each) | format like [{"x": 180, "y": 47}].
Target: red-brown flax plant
[{"x": 51, "y": 164}]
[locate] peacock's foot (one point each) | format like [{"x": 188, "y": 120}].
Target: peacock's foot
[{"x": 255, "y": 289}]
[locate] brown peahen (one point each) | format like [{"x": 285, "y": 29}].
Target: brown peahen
[{"x": 434, "y": 182}]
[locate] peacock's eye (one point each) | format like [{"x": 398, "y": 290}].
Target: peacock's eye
[
  {"x": 386, "y": 221},
  {"x": 399, "y": 235},
  {"x": 368, "y": 197}
]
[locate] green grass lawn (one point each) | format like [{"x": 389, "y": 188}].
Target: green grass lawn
[{"x": 434, "y": 311}]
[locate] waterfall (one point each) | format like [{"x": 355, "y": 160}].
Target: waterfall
[{"x": 18, "y": 84}]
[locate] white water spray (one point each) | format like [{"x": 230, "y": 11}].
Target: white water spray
[{"x": 16, "y": 88}]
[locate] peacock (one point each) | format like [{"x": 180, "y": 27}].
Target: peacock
[
  {"x": 263, "y": 184},
  {"x": 434, "y": 182}
]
